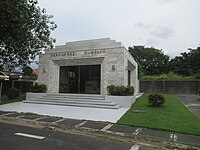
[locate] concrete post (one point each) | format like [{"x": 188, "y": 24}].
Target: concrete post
[
  {"x": 1, "y": 90},
  {"x": 13, "y": 83}
]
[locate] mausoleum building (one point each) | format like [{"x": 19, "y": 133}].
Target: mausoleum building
[{"x": 87, "y": 67}]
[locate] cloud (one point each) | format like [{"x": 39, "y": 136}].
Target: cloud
[
  {"x": 158, "y": 31},
  {"x": 161, "y": 23},
  {"x": 152, "y": 41},
  {"x": 162, "y": 32},
  {"x": 142, "y": 25},
  {"x": 161, "y": 2}
]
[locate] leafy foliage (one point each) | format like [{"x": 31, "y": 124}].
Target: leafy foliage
[
  {"x": 27, "y": 71},
  {"x": 120, "y": 90},
  {"x": 167, "y": 76},
  {"x": 38, "y": 88},
  {"x": 130, "y": 90},
  {"x": 187, "y": 64},
  {"x": 13, "y": 93},
  {"x": 151, "y": 61},
  {"x": 24, "y": 31},
  {"x": 156, "y": 99},
  {"x": 197, "y": 76}
]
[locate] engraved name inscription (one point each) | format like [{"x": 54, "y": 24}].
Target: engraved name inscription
[
  {"x": 63, "y": 54},
  {"x": 74, "y": 53}
]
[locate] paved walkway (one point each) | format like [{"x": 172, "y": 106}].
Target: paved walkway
[
  {"x": 96, "y": 114},
  {"x": 192, "y": 102},
  {"x": 104, "y": 127}
]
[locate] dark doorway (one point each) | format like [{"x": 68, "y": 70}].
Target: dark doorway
[
  {"x": 129, "y": 78},
  {"x": 80, "y": 79}
]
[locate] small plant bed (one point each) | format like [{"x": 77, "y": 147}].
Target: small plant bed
[
  {"x": 6, "y": 101},
  {"x": 171, "y": 116},
  {"x": 120, "y": 90}
]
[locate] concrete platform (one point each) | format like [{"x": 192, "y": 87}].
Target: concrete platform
[
  {"x": 95, "y": 125},
  {"x": 122, "y": 128},
  {"x": 191, "y": 102},
  {"x": 69, "y": 122},
  {"x": 155, "y": 133},
  {"x": 95, "y": 114}
]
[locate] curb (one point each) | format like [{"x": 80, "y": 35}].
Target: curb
[{"x": 99, "y": 128}]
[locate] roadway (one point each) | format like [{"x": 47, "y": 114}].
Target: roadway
[{"x": 15, "y": 137}]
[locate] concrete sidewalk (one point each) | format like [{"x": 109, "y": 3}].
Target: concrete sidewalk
[
  {"x": 96, "y": 114},
  {"x": 192, "y": 102},
  {"x": 101, "y": 127}
]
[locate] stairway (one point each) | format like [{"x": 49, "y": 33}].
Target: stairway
[{"x": 77, "y": 100}]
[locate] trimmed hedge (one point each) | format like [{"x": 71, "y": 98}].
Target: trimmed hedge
[
  {"x": 38, "y": 88},
  {"x": 120, "y": 90}
]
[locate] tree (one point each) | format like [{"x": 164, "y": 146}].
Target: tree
[
  {"x": 187, "y": 64},
  {"x": 24, "y": 31},
  {"x": 27, "y": 71},
  {"x": 151, "y": 61},
  {"x": 194, "y": 59},
  {"x": 180, "y": 66}
]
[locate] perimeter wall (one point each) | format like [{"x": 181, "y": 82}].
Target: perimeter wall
[{"x": 170, "y": 86}]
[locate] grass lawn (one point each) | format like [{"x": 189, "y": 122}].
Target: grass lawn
[
  {"x": 172, "y": 116},
  {"x": 6, "y": 101}
]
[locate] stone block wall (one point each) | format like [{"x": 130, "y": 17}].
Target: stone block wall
[
  {"x": 172, "y": 86},
  {"x": 111, "y": 55}
]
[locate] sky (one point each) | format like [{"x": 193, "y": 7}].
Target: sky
[{"x": 170, "y": 25}]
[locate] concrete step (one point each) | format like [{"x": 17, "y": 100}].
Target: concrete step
[
  {"x": 75, "y": 97},
  {"x": 78, "y": 100},
  {"x": 74, "y": 104},
  {"x": 69, "y": 100},
  {"x": 74, "y": 101}
]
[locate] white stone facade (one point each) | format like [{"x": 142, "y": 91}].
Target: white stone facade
[{"x": 114, "y": 59}]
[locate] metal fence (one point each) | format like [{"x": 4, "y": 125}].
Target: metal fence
[{"x": 23, "y": 86}]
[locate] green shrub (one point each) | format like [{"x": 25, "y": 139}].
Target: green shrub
[
  {"x": 156, "y": 99},
  {"x": 111, "y": 89},
  {"x": 130, "y": 90},
  {"x": 38, "y": 88},
  {"x": 13, "y": 93},
  {"x": 120, "y": 90},
  {"x": 168, "y": 76}
]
